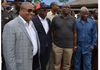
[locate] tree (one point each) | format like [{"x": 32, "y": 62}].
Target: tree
[
  {"x": 63, "y": 0},
  {"x": 37, "y": 1}
]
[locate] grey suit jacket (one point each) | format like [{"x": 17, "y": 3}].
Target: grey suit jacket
[{"x": 17, "y": 46}]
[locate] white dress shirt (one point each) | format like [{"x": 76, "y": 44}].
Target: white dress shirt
[
  {"x": 50, "y": 15},
  {"x": 32, "y": 34},
  {"x": 45, "y": 24}
]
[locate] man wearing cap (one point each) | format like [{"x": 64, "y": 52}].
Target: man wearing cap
[
  {"x": 43, "y": 27},
  {"x": 86, "y": 38}
]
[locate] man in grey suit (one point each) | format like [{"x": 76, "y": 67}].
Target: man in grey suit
[{"x": 20, "y": 40}]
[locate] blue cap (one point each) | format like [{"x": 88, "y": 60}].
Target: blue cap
[{"x": 42, "y": 5}]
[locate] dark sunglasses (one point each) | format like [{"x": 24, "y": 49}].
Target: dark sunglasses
[{"x": 31, "y": 10}]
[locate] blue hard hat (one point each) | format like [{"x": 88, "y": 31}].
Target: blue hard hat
[{"x": 42, "y": 5}]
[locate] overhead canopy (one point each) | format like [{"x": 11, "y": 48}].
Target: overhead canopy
[
  {"x": 88, "y": 3},
  {"x": 76, "y": 2}
]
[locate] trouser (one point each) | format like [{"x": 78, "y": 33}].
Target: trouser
[
  {"x": 50, "y": 62},
  {"x": 36, "y": 65},
  {"x": 62, "y": 56},
  {"x": 44, "y": 58},
  {"x": 95, "y": 59},
  {"x": 35, "y": 62},
  {"x": 86, "y": 60},
  {"x": 3, "y": 67}
]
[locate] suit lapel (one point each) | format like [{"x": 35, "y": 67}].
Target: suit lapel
[
  {"x": 23, "y": 28},
  {"x": 25, "y": 31},
  {"x": 40, "y": 23},
  {"x": 49, "y": 24}
]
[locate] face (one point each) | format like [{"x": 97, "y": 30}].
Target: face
[
  {"x": 43, "y": 13},
  {"x": 55, "y": 8},
  {"x": 66, "y": 10},
  {"x": 84, "y": 15},
  {"x": 95, "y": 15},
  {"x": 28, "y": 12}
]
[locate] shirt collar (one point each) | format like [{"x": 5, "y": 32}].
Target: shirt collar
[
  {"x": 53, "y": 13},
  {"x": 85, "y": 21},
  {"x": 25, "y": 23},
  {"x": 41, "y": 18},
  {"x": 62, "y": 16}
]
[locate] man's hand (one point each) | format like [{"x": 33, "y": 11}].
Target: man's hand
[
  {"x": 91, "y": 48},
  {"x": 74, "y": 49}
]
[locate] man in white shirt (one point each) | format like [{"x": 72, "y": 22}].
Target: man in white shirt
[
  {"x": 43, "y": 27},
  {"x": 53, "y": 12},
  {"x": 50, "y": 15},
  {"x": 20, "y": 40}
]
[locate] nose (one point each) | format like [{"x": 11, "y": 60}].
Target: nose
[{"x": 32, "y": 13}]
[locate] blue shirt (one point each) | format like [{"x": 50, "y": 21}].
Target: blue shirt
[{"x": 86, "y": 33}]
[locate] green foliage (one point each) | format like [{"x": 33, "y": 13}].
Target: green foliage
[
  {"x": 37, "y": 1},
  {"x": 63, "y": 0}
]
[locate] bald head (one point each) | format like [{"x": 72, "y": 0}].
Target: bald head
[
  {"x": 66, "y": 9},
  {"x": 84, "y": 9},
  {"x": 27, "y": 11},
  {"x": 25, "y": 4},
  {"x": 84, "y": 12}
]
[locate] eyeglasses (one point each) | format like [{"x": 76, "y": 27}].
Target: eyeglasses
[{"x": 31, "y": 10}]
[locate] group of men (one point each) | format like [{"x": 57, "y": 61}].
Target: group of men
[{"x": 46, "y": 41}]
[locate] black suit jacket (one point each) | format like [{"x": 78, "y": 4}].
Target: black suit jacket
[{"x": 45, "y": 40}]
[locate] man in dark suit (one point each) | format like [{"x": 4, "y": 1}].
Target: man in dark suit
[{"x": 42, "y": 25}]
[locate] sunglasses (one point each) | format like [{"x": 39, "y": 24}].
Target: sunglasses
[{"x": 31, "y": 10}]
